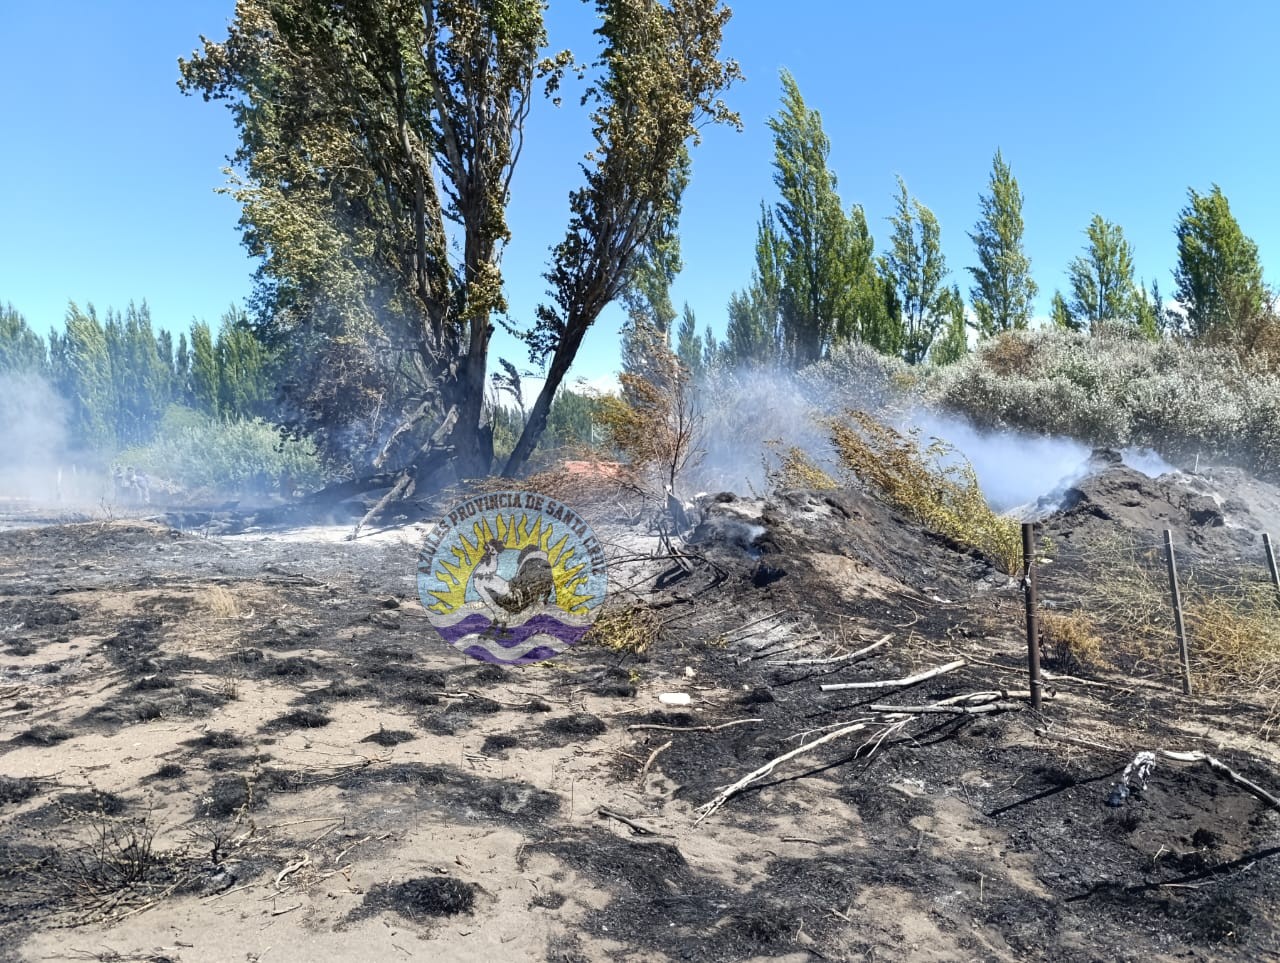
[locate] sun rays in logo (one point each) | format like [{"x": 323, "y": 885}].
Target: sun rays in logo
[{"x": 569, "y": 574}]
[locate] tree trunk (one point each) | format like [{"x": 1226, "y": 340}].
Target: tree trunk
[{"x": 565, "y": 352}]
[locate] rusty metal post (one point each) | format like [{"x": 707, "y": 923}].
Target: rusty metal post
[
  {"x": 1033, "y": 628},
  {"x": 1184, "y": 657},
  {"x": 1271, "y": 562}
]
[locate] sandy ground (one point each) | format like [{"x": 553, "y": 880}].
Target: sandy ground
[{"x": 254, "y": 748}]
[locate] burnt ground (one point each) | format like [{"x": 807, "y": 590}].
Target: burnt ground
[{"x": 219, "y": 748}]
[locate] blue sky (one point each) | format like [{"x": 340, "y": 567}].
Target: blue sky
[{"x": 108, "y": 172}]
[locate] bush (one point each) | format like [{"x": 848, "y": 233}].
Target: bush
[
  {"x": 194, "y": 452},
  {"x": 1119, "y": 389},
  {"x": 932, "y": 483}
]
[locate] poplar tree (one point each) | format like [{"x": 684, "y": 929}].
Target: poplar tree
[{"x": 1003, "y": 291}]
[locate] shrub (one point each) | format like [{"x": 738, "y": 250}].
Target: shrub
[
  {"x": 932, "y": 483},
  {"x": 195, "y": 452},
  {"x": 1118, "y": 389},
  {"x": 1072, "y": 639}
]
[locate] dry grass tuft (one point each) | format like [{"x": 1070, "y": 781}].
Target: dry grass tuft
[
  {"x": 630, "y": 628},
  {"x": 1231, "y": 615},
  {"x": 1235, "y": 638},
  {"x": 1072, "y": 638},
  {"x": 933, "y": 484},
  {"x": 220, "y": 603}
]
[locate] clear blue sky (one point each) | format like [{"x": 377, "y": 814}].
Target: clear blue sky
[{"x": 108, "y": 172}]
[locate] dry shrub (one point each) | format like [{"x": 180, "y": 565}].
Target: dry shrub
[
  {"x": 220, "y": 603},
  {"x": 630, "y": 628},
  {"x": 796, "y": 469},
  {"x": 1235, "y": 638},
  {"x": 933, "y": 484},
  {"x": 1072, "y": 638},
  {"x": 1232, "y": 619},
  {"x": 657, "y": 424},
  {"x": 1008, "y": 354}
]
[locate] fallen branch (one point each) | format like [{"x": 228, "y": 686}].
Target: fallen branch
[
  {"x": 644, "y": 771},
  {"x": 1224, "y": 771},
  {"x": 953, "y": 710},
  {"x": 1219, "y": 768},
  {"x": 723, "y": 725},
  {"x": 895, "y": 683},
  {"x": 640, "y": 828},
  {"x": 772, "y": 764},
  {"x": 839, "y": 658},
  {"x": 292, "y": 868}
]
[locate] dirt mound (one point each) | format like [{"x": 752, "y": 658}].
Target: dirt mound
[{"x": 1220, "y": 511}]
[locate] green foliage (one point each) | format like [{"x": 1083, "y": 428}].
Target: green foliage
[
  {"x": 21, "y": 349},
  {"x": 1102, "y": 285},
  {"x": 197, "y": 452},
  {"x": 917, "y": 267},
  {"x": 953, "y": 344},
  {"x": 570, "y": 419},
  {"x": 814, "y": 283},
  {"x": 1060, "y": 315},
  {"x": 1003, "y": 290},
  {"x": 1219, "y": 276}
]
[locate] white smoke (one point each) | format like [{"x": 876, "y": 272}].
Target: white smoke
[
  {"x": 35, "y": 470},
  {"x": 752, "y": 417}
]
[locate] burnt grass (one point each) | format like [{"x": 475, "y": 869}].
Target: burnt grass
[{"x": 1186, "y": 868}]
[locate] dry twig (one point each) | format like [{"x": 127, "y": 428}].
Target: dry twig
[
  {"x": 895, "y": 683},
  {"x": 848, "y": 657}
]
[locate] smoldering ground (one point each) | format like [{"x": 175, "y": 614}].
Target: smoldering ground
[{"x": 752, "y": 417}]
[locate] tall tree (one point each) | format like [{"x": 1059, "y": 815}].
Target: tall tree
[
  {"x": 918, "y": 268},
  {"x": 1003, "y": 290},
  {"x": 815, "y": 281},
  {"x": 378, "y": 145},
  {"x": 813, "y": 225},
  {"x": 689, "y": 345},
  {"x": 204, "y": 369},
  {"x": 21, "y": 349},
  {"x": 1102, "y": 284},
  {"x": 1219, "y": 276},
  {"x": 661, "y": 80}
]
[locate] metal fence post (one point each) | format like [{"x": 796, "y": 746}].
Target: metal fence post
[
  {"x": 1033, "y": 629},
  {"x": 1183, "y": 656}
]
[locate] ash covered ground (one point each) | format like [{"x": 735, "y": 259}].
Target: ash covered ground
[{"x": 235, "y": 737}]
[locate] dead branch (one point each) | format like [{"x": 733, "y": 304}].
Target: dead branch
[
  {"x": 644, "y": 771},
  {"x": 1219, "y": 768},
  {"x": 953, "y": 710},
  {"x": 292, "y": 868},
  {"x": 636, "y": 827},
  {"x": 401, "y": 487},
  {"x": 1223, "y": 771},
  {"x": 723, "y": 725},
  {"x": 895, "y": 683},
  {"x": 840, "y": 658},
  {"x": 772, "y": 764}
]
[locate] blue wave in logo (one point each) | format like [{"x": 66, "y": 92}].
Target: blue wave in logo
[{"x": 541, "y": 637}]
